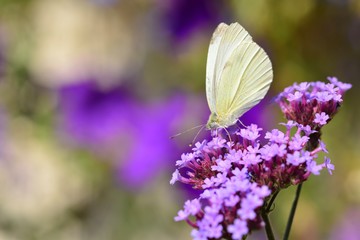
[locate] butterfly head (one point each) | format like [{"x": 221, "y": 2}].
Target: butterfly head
[{"x": 215, "y": 121}]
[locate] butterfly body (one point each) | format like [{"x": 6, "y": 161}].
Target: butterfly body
[{"x": 238, "y": 75}]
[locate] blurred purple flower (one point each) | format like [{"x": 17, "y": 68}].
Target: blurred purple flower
[
  {"x": 183, "y": 17},
  {"x": 152, "y": 149},
  {"x": 348, "y": 226},
  {"x": 93, "y": 116},
  {"x": 136, "y": 134}
]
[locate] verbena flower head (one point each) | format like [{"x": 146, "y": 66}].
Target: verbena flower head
[
  {"x": 238, "y": 173},
  {"x": 313, "y": 104}
]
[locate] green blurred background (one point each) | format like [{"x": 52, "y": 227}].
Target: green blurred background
[{"x": 91, "y": 91}]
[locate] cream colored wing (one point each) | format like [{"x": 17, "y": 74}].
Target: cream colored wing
[
  {"x": 225, "y": 39},
  {"x": 245, "y": 80}
]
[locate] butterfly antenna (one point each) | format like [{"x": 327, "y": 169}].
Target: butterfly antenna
[
  {"x": 197, "y": 134},
  {"x": 178, "y": 134}
]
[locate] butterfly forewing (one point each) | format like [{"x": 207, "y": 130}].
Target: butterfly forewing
[
  {"x": 210, "y": 65},
  {"x": 224, "y": 41}
]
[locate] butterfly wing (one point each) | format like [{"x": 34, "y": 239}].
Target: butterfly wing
[
  {"x": 225, "y": 39},
  {"x": 244, "y": 81}
]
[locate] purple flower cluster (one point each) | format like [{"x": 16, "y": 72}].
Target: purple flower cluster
[
  {"x": 240, "y": 173},
  {"x": 314, "y": 103},
  {"x": 230, "y": 202}
]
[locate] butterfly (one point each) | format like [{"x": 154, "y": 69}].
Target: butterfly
[{"x": 238, "y": 75}]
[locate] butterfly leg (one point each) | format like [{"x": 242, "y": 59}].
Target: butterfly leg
[
  {"x": 228, "y": 134},
  {"x": 241, "y": 123}
]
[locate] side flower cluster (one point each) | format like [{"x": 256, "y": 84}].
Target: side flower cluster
[
  {"x": 313, "y": 103},
  {"x": 239, "y": 173}
]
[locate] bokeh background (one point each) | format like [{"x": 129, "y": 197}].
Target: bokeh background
[{"x": 91, "y": 91}]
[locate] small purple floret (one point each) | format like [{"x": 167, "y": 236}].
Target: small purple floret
[{"x": 321, "y": 118}]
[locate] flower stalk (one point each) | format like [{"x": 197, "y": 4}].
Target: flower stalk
[
  {"x": 268, "y": 228},
  {"x": 292, "y": 212}
]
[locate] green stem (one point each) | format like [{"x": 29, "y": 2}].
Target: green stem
[
  {"x": 292, "y": 212},
  {"x": 271, "y": 201},
  {"x": 264, "y": 213},
  {"x": 268, "y": 229}
]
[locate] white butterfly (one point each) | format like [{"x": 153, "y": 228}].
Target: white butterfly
[{"x": 238, "y": 75}]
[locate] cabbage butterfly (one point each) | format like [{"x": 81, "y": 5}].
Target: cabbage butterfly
[{"x": 238, "y": 75}]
